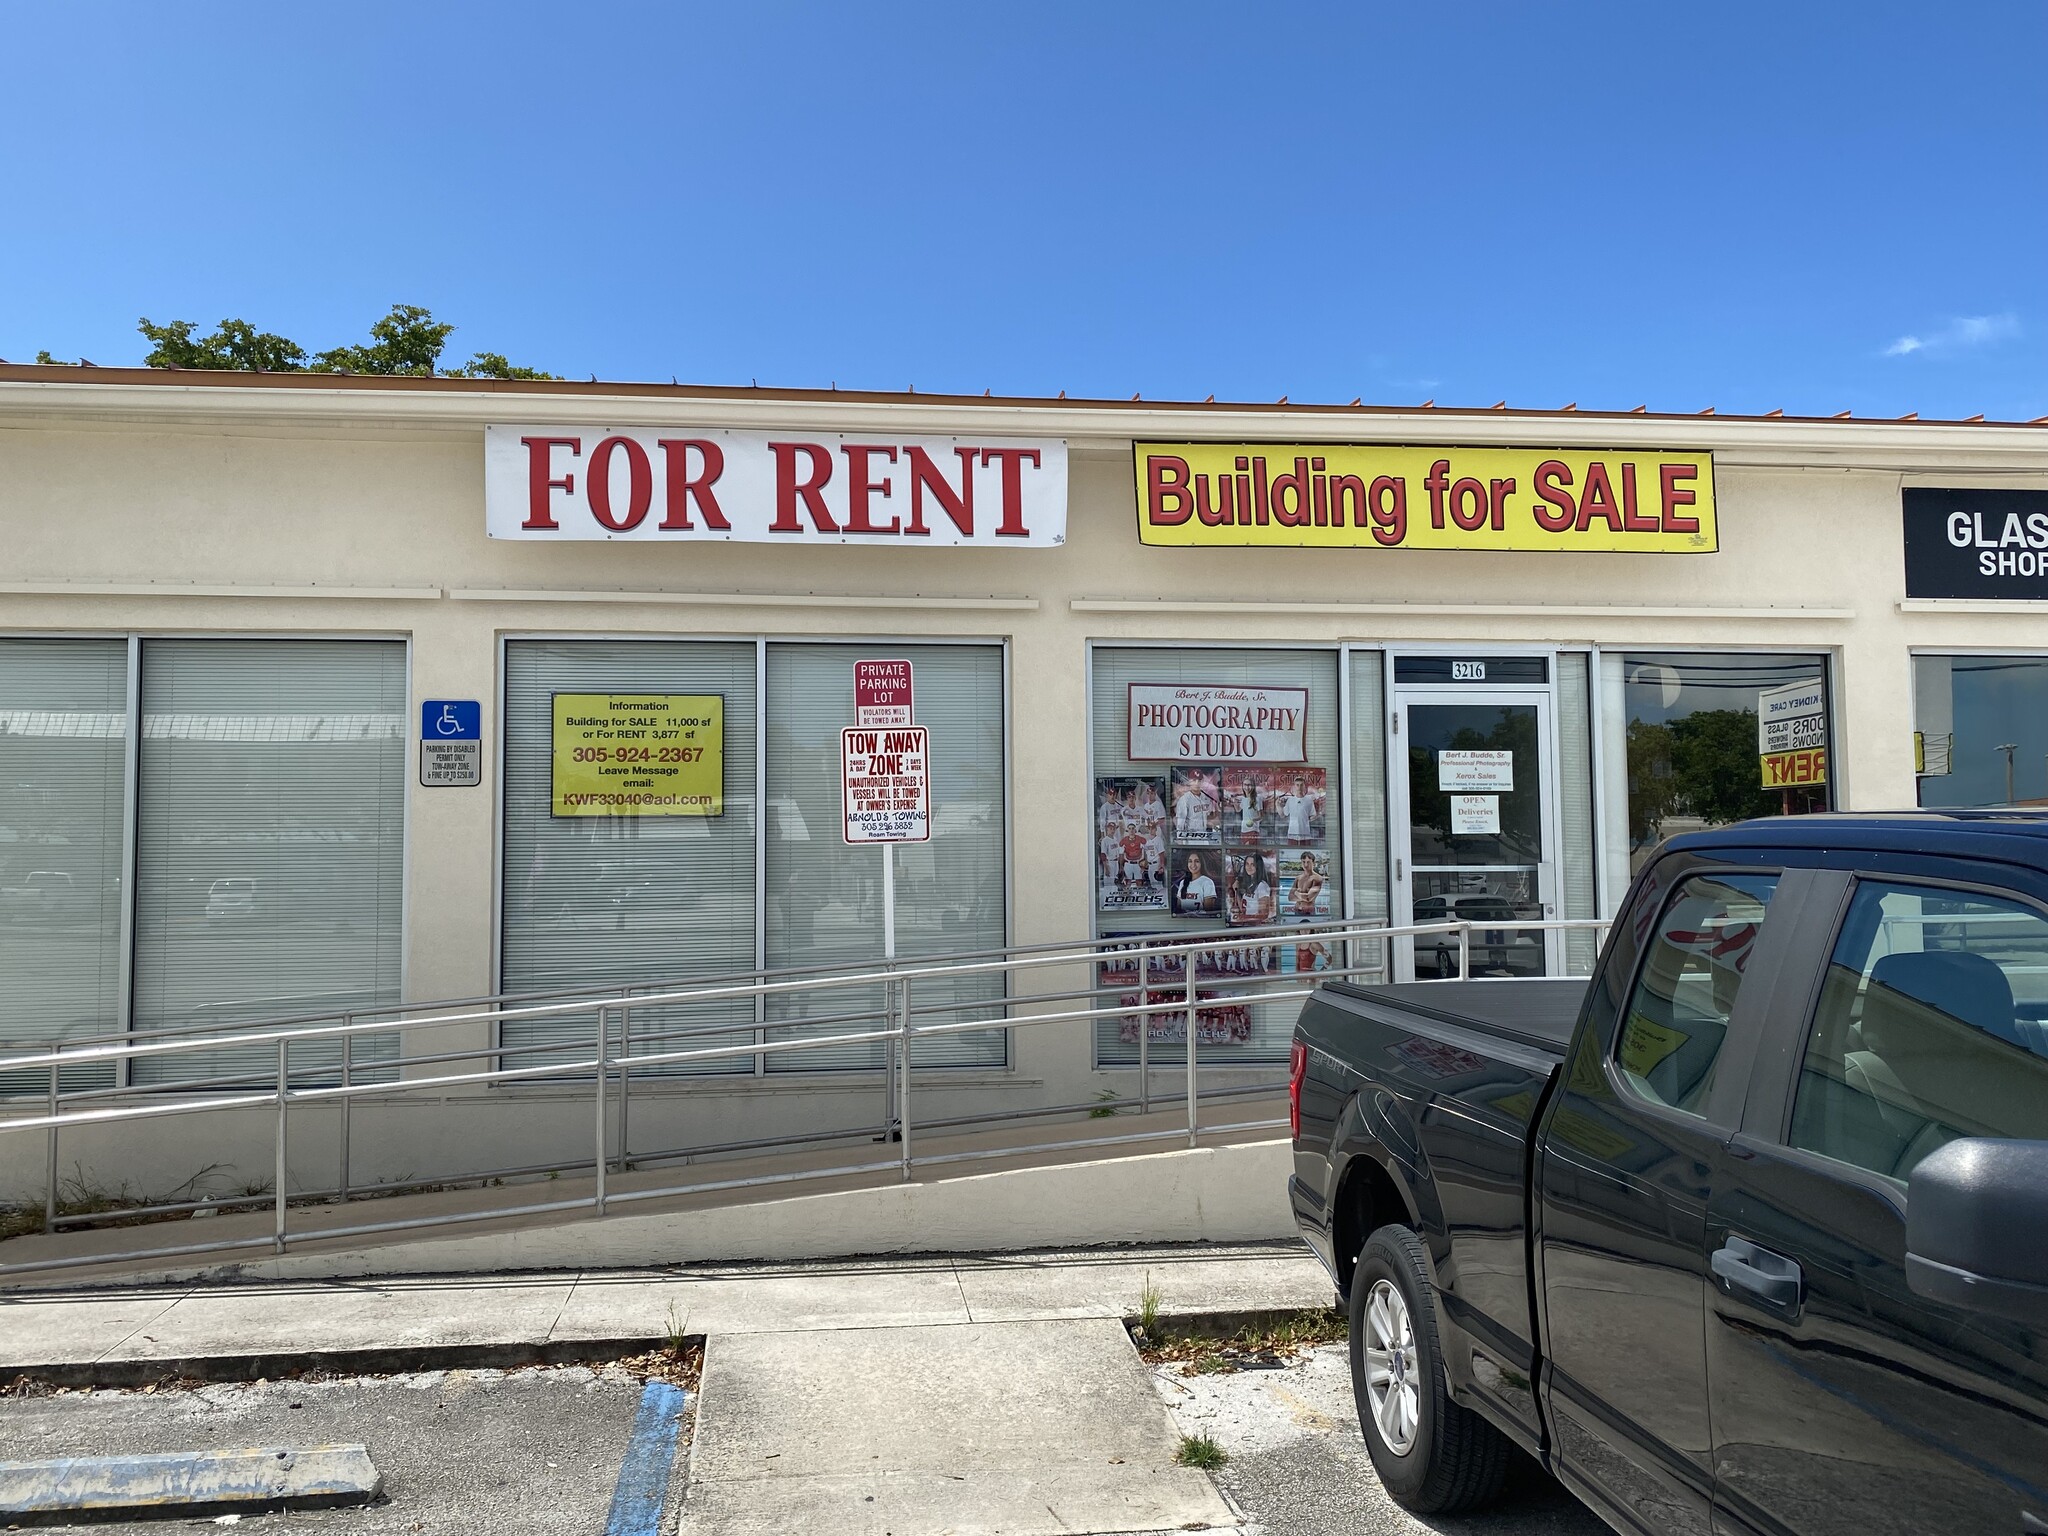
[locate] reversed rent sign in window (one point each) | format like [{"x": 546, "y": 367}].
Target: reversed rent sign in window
[
  {"x": 1792, "y": 735},
  {"x": 887, "y": 784}
]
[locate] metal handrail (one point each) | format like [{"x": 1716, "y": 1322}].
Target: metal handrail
[
  {"x": 430, "y": 1015},
  {"x": 591, "y": 997},
  {"x": 613, "y": 1058}
]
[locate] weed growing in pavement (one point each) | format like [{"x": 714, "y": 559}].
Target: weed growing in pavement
[
  {"x": 81, "y": 1195},
  {"x": 677, "y": 1332},
  {"x": 1261, "y": 1341},
  {"x": 1148, "y": 1308},
  {"x": 1200, "y": 1451},
  {"x": 682, "y": 1367},
  {"x": 1105, "y": 1105}
]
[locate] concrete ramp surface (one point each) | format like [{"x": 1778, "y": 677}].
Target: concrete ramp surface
[{"x": 969, "y": 1429}]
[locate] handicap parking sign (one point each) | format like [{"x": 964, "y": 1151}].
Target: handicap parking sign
[
  {"x": 451, "y": 720},
  {"x": 451, "y": 743}
]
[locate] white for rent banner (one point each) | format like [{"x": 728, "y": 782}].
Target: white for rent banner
[{"x": 687, "y": 484}]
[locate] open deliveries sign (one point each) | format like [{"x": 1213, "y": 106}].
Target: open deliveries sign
[
  {"x": 639, "y": 754},
  {"x": 886, "y": 785}
]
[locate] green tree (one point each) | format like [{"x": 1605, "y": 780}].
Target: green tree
[
  {"x": 234, "y": 344},
  {"x": 492, "y": 365},
  {"x": 1651, "y": 790},
  {"x": 1714, "y": 766},
  {"x": 408, "y": 342},
  {"x": 1702, "y": 766}
]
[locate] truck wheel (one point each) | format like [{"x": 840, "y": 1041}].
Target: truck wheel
[{"x": 1432, "y": 1456}]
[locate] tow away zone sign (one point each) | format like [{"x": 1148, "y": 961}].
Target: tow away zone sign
[{"x": 886, "y": 784}]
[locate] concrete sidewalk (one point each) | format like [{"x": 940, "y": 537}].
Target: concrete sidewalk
[{"x": 110, "y": 1338}]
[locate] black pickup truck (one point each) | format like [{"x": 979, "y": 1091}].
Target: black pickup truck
[{"x": 1746, "y": 1234}]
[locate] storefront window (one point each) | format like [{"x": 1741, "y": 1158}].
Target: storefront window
[
  {"x": 1682, "y": 748},
  {"x": 645, "y": 900},
  {"x": 1981, "y": 730},
  {"x": 63, "y": 765},
  {"x": 1222, "y": 811},
  {"x": 270, "y": 856},
  {"x": 824, "y": 897},
  {"x": 605, "y": 901}
]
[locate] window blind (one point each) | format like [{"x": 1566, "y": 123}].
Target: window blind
[
  {"x": 1577, "y": 882},
  {"x": 634, "y": 901},
  {"x": 63, "y": 765},
  {"x": 270, "y": 841},
  {"x": 1115, "y": 669},
  {"x": 1371, "y": 897},
  {"x": 824, "y": 897}
]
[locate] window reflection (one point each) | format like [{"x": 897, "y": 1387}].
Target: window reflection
[{"x": 1682, "y": 751}]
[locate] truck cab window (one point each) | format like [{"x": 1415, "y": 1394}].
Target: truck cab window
[
  {"x": 1930, "y": 1027},
  {"x": 1677, "y": 1016}
]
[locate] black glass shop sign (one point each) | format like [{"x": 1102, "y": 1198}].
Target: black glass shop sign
[{"x": 1976, "y": 543}]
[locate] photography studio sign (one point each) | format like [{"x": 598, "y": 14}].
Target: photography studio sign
[{"x": 1976, "y": 544}]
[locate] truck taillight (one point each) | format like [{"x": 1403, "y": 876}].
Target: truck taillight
[{"x": 1297, "y": 1069}]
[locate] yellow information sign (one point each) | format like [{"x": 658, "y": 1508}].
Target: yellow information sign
[
  {"x": 1790, "y": 770},
  {"x": 1345, "y": 495},
  {"x": 639, "y": 754}
]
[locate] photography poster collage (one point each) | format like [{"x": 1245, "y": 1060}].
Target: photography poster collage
[{"x": 1236, "y": 845}]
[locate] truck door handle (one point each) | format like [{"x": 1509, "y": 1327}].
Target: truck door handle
[{"x": 1770, "y": 1279}]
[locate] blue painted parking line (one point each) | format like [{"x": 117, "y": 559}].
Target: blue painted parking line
[{"x": 650, "y": 1457}]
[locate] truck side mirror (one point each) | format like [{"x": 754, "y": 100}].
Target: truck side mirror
[{"x": 1976, "y": 1210}]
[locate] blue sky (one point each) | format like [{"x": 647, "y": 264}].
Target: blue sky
[{"x": 1815, "y": 206}]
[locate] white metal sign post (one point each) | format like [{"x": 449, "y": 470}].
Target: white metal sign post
[
  {"x": 886, "y": 793},
  {"x": 883, "y": 696},
  {"x": 886, "y": 788}
]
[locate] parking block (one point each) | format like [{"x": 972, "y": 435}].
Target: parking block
[{"x": 69, "y": 1489}]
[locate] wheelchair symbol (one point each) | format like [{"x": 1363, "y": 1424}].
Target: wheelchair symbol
[{"x": 448, "y": 725}]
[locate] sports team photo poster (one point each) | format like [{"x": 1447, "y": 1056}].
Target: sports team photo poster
[
  {"x": 1265, "y": 803},
  {"x": 1130, "y": 844},
  {"x": 1126, "y": 956},
  {"x": 1305, "y": 959},
  {"x": 1247, "y": 788},
  {"x": 1305, "y": 892},
  {"x": 1197, "y": 804},
  {"x": 1220, "y": 1018},
  {"x": 1251, "y": 887},
  {"x": 1197, "y": 883},
  {"x": 1297, "y": 800}
]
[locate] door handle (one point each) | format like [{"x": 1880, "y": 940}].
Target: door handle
[{"x": 1770, "y": 1279}]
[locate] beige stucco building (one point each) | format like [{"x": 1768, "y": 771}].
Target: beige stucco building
[{"x": 225, "y": 600}]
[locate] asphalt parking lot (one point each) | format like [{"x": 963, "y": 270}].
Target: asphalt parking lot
[
  {"x": 539, "y": 1450},
  {"x": 514, "y": 1452}
]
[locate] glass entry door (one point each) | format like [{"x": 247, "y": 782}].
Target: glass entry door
[{"x": 1473, "y": 784}]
